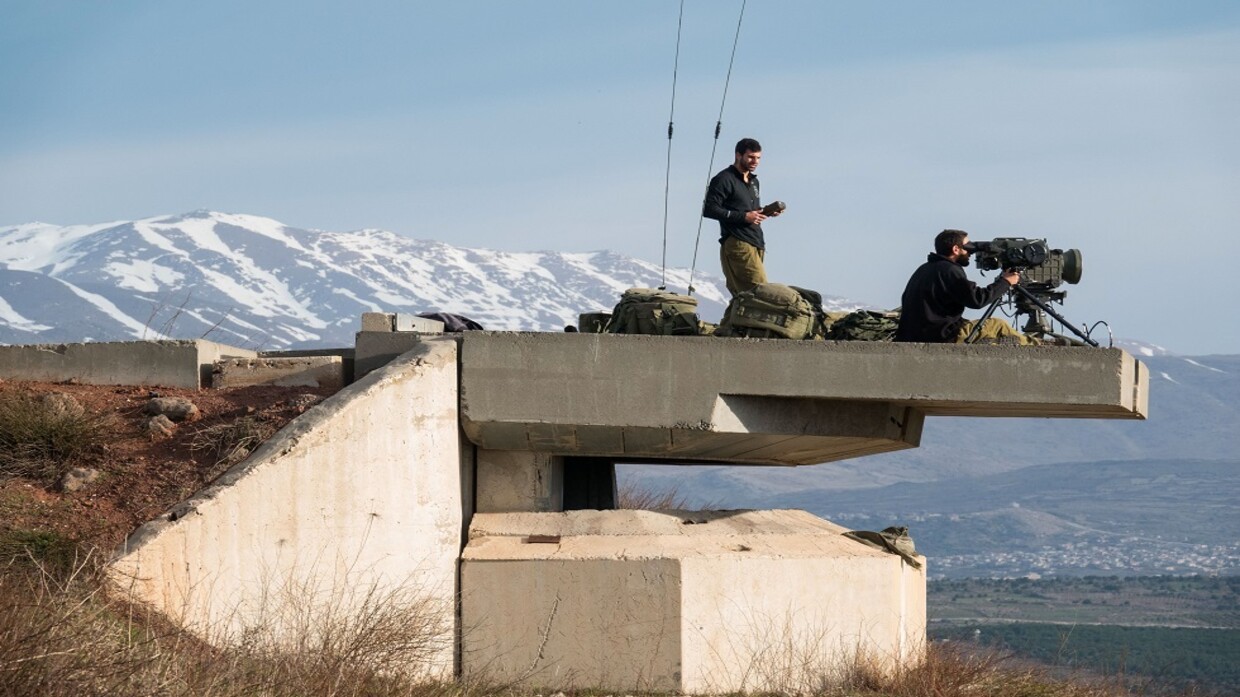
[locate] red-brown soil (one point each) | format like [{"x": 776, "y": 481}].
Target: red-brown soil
[{"x": 142, "y": 476}]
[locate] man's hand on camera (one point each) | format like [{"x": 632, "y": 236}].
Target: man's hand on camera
[
  {"x": 1012, "y": 276},
  {"x": 755, "y": 217}
]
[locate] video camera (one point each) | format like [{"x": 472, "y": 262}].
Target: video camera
[{"x": 1042, "y": 271}]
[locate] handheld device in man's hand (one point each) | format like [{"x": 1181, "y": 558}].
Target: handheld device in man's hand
[{"x": 773, "y": 208}]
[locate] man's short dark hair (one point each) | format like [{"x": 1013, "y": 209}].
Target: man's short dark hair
[
  {"x": 745, "y": 145},
  {"x": 944, "y": 241}
]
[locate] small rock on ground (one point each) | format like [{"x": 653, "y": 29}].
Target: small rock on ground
[
  {"x": 160, "y": 426},
  {"x": 78, "y": 478},
  {"x": 303, "y": 402},
  {"x": 175, "y": 408},
  {"x": 62, "y": 404}
]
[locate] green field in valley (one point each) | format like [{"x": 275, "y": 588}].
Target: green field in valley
[{"x": 1156, "y": 630}]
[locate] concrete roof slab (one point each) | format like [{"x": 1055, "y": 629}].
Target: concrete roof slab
[{"x": 706, "y": 399}]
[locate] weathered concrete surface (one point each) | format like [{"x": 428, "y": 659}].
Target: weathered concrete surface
[
  {"x": 168, "y": 363},
  {"x": 693, "y": 602},
  {"x": 399, "y": 322},
  {"x": 751, "y": 401},
  {"x": 373, "y": 350},
  {"x": 518, "y": 480},
  {"x": 378, "y": 321},
  {"x": 412, "y": 323},
  {"x": 345, "y": 354},
  {"x": 301, "y": 371},
  {"x": 360, "y": 496}
]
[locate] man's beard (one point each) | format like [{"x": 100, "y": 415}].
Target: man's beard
[{"x": 963, "y": 260}]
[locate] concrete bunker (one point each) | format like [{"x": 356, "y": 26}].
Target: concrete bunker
[{"x": 455, "y": 462}]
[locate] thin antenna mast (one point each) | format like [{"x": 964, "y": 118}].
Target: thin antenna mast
[
  {"x": 667, "y": 176},
  {"x": 718, "y": 128}
]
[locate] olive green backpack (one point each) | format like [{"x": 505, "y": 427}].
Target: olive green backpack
[
  {"x": 774, "y": 310},
  {"x": 653, "y": 311},
  {"x": 865, "y": 325}
]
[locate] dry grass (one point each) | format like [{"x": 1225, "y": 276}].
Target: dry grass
[
  {"x": 956, "y": 670},
  {"x": 41, "y": 439},
  {"x": 49, "y": 552},
  {"x": 62, "y": 637},
  {"x": 633, "y": 496},
  {"x": 233, "y": 441},
  {"x": 66, "y": 637}
]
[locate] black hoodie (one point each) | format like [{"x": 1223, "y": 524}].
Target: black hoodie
[{"x": 935, "y": 299}]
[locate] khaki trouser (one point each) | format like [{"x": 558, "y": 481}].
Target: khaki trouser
[
  {"x": 995, "y": 331},
  {"x": 742, "y": 264}
]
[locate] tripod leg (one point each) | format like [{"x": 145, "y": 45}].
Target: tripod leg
[
  {"x": 1046, "y": 308},
  {"x": 977, "y": 326}
]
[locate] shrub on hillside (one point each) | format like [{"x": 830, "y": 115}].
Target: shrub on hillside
[
  {"x": 50, "y": 551},
  {"x": 42, "y": 437}
]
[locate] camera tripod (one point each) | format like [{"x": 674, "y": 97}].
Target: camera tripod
[{"x": 1029, "y": 304}]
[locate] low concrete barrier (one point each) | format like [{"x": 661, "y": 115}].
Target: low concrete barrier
[
  {"x": 346, "y": 357},
  {"x": 185, "y": 364},
  {"x": 300, "y": 371}
]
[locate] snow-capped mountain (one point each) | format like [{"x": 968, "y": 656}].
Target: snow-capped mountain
[
  {"x": 1140, "y": 349},
  {"x": 254, "y": 282}
]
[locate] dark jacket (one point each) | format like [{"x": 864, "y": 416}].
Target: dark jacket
[
  {"x": 935, "y": 299},
  {"x": 728, "y": 199}
]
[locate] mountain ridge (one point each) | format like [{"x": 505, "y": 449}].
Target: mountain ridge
[{"x": 257, "y": 283}]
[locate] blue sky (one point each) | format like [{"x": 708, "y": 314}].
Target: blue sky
[{"x": 1106, "y": 126}]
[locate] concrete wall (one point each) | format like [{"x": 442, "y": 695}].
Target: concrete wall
[
  {"x": 362, "y": 495},
  {"x": 185, "y": 364},
  {"x": 774, "y": 623},
  {"x": 695, "y": 602}
]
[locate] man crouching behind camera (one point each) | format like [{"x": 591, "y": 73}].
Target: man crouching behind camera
[{"x": 938, "y": 293}]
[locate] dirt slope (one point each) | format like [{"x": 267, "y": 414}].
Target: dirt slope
[{"x": 141, "y": 475}]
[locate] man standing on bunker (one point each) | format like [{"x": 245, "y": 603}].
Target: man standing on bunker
[{"x": 733, "y": 198}]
